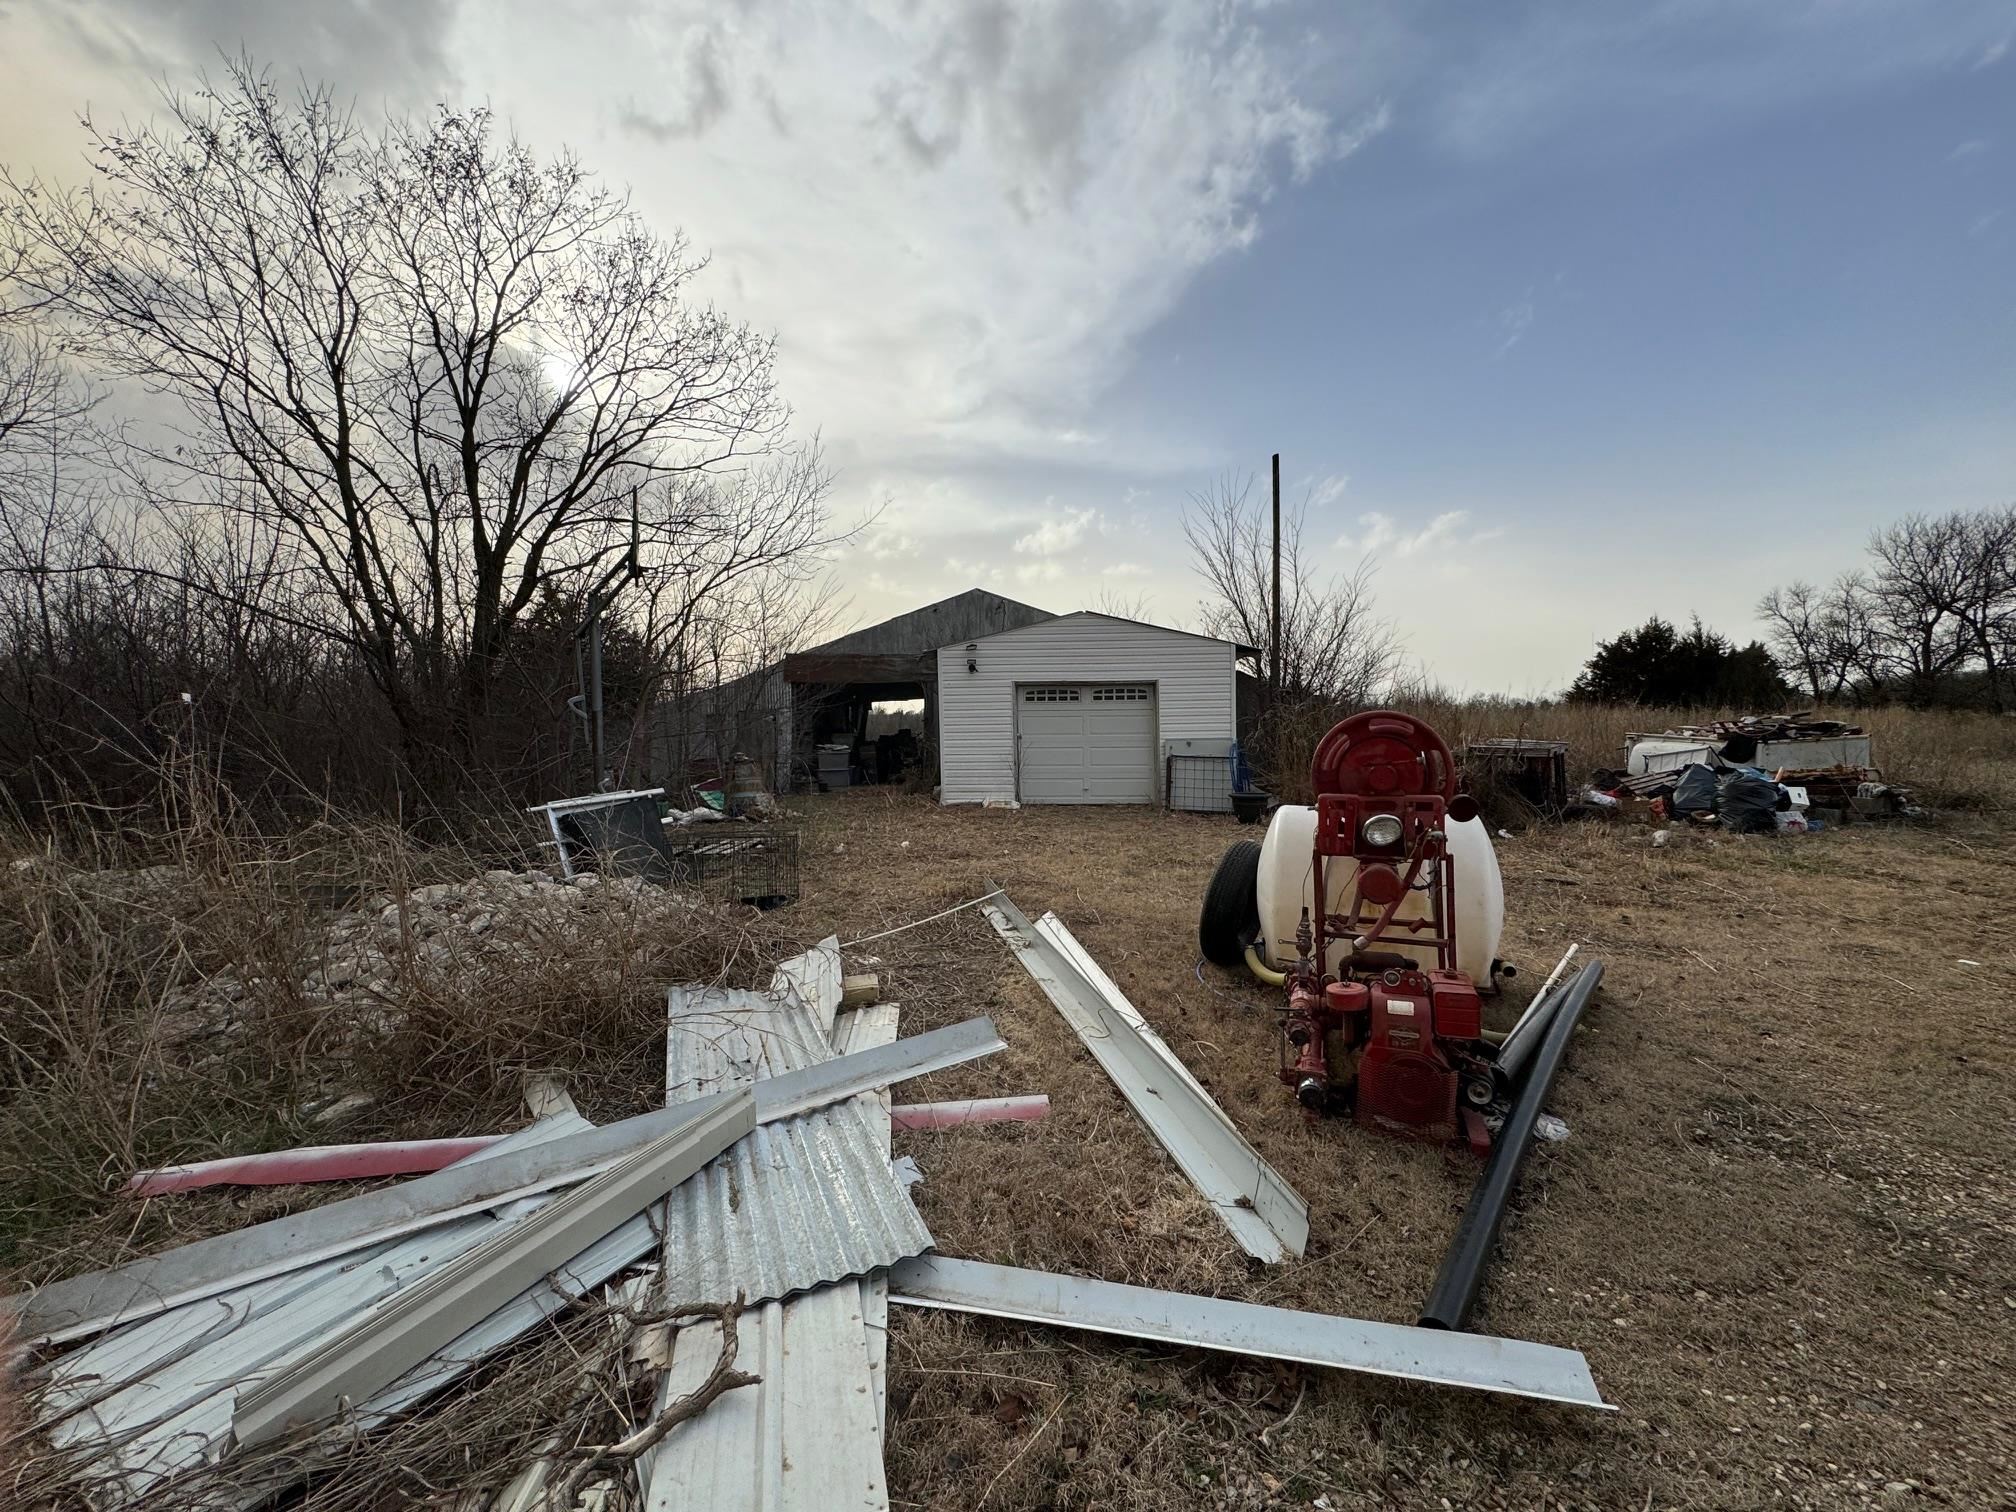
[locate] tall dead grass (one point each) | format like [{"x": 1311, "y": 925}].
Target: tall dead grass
[
  {"x": 1954, "y": 759},
  {"x": 161, "y": 1001}
]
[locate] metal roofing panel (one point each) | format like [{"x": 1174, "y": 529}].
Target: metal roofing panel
[
  {"x": 1434, "y": 1355},
  {"x": 719, "y": 1037},
  {"x": 406, "y": 1327},
  {"x": 804, "y": 1438},
  {"x": 1251, "y": 1198},
  {"x": 808, "y": 1434}
]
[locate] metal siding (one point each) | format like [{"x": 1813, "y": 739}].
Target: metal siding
[
  {"x": 797, "y": 1203},
  {"x": 808, "y": 1433},
  {"x": 1193, "y": 679},
  {"x": 1438, "y": 1356}
]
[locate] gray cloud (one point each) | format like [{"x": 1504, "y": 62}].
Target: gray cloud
[
  {"x": 394, "y": 49},
  {"x": 704, "y": 102}
]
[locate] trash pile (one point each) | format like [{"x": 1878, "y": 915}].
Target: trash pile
[
  {"x": 737, "y": 1249},
  {"x": 1784, "y": 773}
]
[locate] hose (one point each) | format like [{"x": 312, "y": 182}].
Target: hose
[
  {"x": 1462, "y": 1272},
  {"x": 1261, "y": 970}
]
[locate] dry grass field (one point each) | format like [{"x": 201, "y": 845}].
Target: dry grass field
[{"x": 1783, "y": 1228}]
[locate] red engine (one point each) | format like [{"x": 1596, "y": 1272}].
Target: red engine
[{"x": 1401, "y": 1044}]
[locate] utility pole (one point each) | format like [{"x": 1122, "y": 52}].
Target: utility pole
[
  {"x": 1274, "y": 662},
  {"x": 587, "y": 704}
]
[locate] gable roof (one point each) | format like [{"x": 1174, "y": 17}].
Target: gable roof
[
  {"x": 963, "y": 617},
  {"x": 1237, "y": 648}
]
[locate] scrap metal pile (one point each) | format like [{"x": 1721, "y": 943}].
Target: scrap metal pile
[{"x": 756, "y": 1219}]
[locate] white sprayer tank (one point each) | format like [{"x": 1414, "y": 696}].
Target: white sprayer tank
[{"x": 1287, "y": 885}]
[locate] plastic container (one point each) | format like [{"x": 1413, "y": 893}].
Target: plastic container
[{"x": 1287, "y": 885}]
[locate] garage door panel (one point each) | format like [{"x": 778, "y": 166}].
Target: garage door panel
[{"x": 1087, "y": 743}]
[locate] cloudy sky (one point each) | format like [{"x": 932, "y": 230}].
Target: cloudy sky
[{"x": 1562, "y": 313}]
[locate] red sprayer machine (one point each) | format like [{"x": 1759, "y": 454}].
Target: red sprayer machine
[{"x": 1378, "y": 911}]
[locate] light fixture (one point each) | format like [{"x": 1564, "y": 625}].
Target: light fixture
[
  {"x": 1381, "y": 830},
  {"x": 972, "y": 657}
]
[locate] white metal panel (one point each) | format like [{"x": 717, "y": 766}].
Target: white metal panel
[
  {"x": 1438, "y": 1356},
  {"x": 1086, "y": 742},
  {"x": 1192, "y": 676},
  {"x": 1251, "y": 1198},
  {"x": 864, "y": 1029},
  {"x": 808, "y": 1434},
  {"x": 403, "y": 1330}
]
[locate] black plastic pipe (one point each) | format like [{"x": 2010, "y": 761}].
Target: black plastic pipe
[
  {"x": 1462, "y": 1274},
  {"x": 1517, "y": 1047}
]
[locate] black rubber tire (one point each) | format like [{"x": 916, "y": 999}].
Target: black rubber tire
[{"x": 1231, "y": 917}]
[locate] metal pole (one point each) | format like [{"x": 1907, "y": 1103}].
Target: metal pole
[
  {"x": 1274, "y": 674},
  {"x": 1462, "y": 1274},
  {"x": 595, "y": 687}
]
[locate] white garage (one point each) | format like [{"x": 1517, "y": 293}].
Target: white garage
[{"x": 1084, "y": 708}]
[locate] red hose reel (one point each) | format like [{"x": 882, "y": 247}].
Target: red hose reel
[{"x": 1382, "y": 754}]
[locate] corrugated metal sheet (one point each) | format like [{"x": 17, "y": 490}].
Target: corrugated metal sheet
[
  {"x": 719, "y": 1037},
  {"x": 1193, "y": 677},
  {"x": 809, "y": 1434},
  {"x": 798, "y": 1202},
  {"x": 804, "y": 1440}
]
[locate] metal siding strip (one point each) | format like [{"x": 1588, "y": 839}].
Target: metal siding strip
[
  {"x": 403, "y": 1331},
  {"x": 1252, "y": 1200},
  {"x": 84, "y": 1304},
  {"x": 203, "y": 1336},
  {"x": 863, "y": 1029},
  {"x": 1279, "y": 1205},
  {"x": 1431, "y": 1355},
  {"x": 809, "y": 1426}
]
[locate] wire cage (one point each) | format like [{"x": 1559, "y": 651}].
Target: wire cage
[
  {"x": 755, "y": 864},
  {"x": 1197, "y": 783}
]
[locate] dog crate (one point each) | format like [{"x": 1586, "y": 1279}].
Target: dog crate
[{"x": 756, "y": 864}]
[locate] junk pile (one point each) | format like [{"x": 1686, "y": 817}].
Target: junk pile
[
  {"x": 743, "y": 1243},
  {"x": 1788, "y": 773}
]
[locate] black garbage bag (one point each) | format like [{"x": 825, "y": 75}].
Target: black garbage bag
[
  {"x": 1694, "y": 793},
  {"x": 1749, "y": 803}
]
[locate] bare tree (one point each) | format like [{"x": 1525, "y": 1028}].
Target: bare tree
[
  {"x": 1796, "y": 631},
  {"x": 1334, "y": 643},
  {"x": 1986, "y": 543},
  {"x": 1852, "y": 639},
  {"x": 1920, "y": 591},
  {"x": 1123, "y": 606},
  {"x": 449, "y": 375}
]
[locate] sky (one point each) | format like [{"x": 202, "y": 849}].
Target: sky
[{"x": 1560, "y": 314}]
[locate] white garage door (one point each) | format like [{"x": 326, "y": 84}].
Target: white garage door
[{"x": 1086, "y": 742}]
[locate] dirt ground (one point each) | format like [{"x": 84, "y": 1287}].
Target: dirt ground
[{"x": 1783, "y": 1229}]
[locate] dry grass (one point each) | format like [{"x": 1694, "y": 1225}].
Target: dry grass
[
  {"x": 1957, "y": 760},
  {"x": 1781, "y": 1230},
  {"x": 160, "y": 1001}
]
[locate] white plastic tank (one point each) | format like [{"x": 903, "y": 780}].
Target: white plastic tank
[{"x": 1287, "y": 885}]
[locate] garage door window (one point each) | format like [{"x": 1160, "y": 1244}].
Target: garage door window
[
  {"x": 1120, "y": 695},
  {"x": 1049, "y": 695}
]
